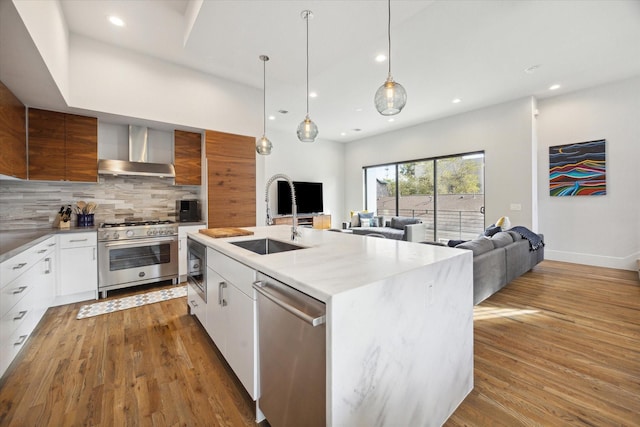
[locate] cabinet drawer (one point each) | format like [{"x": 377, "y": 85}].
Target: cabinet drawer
[
  {"x": 197, "y": 305},
  {"x": 78, "y": 240},
  {"x": 17, "y": 290},
  {"x": 16, "y": 316},
  {"x": 15, "y": 266},
  {"x": 231, "y": 270},
  {"x": 17, "y": 340}
]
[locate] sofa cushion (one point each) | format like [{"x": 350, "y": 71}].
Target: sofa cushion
[
  {"x": 399, "y": 222},
  {"x": 515, "y": 236},
  {"x": 501, "y": 239},
  {"x": 477, "y": 246}
]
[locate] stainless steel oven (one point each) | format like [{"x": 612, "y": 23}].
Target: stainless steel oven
[
  {"x": 136, "y": 253},
  {"x": 197, "y": 267}
]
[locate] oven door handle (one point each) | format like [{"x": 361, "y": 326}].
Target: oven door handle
[{"x": 138, "y": 242}]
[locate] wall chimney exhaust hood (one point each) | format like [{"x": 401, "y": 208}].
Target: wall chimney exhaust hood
[{"x": 137, "y": 165}]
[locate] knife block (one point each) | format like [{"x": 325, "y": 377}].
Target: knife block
[{"x": 59, "y": 223}]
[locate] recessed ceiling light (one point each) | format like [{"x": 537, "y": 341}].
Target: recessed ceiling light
[
  {"x": 343, "y": 133},
  {"x": 554, "y": 87},
  {"x": 118, "y": 22},
  {"x": 272, "y": 117},
  {"x": 381, "y": 57},
  {"x": 391, "y": 120},
  {"x": 358, "y": 109},
  {"x": 456, "y": 100},
  {"x": 532, "y": 69},
  {"x": 313, "y": 94}
]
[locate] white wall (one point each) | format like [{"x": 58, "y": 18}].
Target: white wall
[
  {"x": 46, "y": 26},
  {"x": 322, "y": 161},
  {"x": 143, "y": 87},
  {"x": 594, "y": 230},
  {"x": 503, "y": 131}
]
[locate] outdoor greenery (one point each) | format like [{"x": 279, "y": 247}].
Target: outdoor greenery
[{"x": 455, "y": 176}]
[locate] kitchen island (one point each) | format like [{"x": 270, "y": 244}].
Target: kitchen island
[{"x": 399, "y": 320}]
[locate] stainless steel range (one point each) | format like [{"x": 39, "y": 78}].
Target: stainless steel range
[{"x": 136, "y": 253}]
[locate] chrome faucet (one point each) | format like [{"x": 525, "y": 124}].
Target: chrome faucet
[{"x": 294, "y": 208}]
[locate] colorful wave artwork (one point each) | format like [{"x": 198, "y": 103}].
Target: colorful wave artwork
[{"x": 578, "y": 169}]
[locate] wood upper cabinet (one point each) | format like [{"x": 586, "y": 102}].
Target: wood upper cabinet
[
  {"x": 231, "y": 180},
  {"x": 188, "y": 157},
  {"x": 62, "y": 146},
  {"x": 13, "y": 135}
]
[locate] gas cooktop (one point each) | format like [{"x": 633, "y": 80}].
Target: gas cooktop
[{"x": 136, "y": 223}]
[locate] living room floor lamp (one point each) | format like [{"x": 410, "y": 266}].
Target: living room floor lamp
[
  {"x": 307, "y": 130},
  {"x": 263, "y": 145},
  {"x": 391, "y": 97}
]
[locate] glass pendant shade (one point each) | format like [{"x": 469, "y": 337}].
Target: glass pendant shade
[
  {"x": 307, "y": 130},
  {"x": 264, "y": 146},
  {"x": 390, "y": 98}
]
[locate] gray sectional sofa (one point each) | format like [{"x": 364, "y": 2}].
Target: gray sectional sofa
[
  {"x": 499, "y": 259},
  {"x": 398, "y": 228}
]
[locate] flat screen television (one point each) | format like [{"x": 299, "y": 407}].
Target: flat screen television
[{"x": 308, "y": 197}]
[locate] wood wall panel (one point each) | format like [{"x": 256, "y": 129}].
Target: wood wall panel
[
  {"x": 231, "y": 145},
  {"x": 188, "y": 157},
  {"x": 231, "y": 192},
  {"x": 13, "y": 135},
  {"x": 46, "y": 145},
  {"x": 81, "y": 148}
]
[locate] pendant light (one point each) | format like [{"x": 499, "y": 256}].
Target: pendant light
[
  {"x": 307, "y": 130},
  {"x": 263, "y": 145},
  {"x": 391, "y": 97}
]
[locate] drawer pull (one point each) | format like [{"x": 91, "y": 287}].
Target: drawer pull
[
  {"x": 21, "y": 340},
  {"x": 78, "y": 240},
  {"x": 193, "y": 303},
  {"x": 20, "y": 290},
  {"x": 19, "y": 266},
  {"x": 42, "y": 251},
  {"x": 51, "y": 244},
  {"x": 20, "y": 315}
]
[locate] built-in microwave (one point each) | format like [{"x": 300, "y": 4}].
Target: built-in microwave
[{"x": 197, "y": 267}]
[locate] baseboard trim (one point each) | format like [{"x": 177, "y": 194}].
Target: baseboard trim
[{"x": 629, "y": 262}]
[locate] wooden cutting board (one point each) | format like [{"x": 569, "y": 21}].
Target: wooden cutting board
[{"x": 225, "y": 232}]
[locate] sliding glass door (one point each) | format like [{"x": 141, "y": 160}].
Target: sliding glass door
[{"x": 447, "y": 193}]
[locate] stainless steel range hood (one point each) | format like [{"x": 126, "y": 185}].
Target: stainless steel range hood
[{"x": 137, "y": 165}]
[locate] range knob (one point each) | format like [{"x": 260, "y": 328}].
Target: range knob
[
  {"x": 105, "y": 235},
  {"x": 116, "y": 235},
  {"x": 149, "y": 233},
  {"x": 130, "y": 233}
]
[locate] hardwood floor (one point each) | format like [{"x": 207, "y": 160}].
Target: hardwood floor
[
  {"x": 558, "y": 346},
  {"x": 150, "y": 365}
]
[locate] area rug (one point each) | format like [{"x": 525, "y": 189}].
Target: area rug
[{"x": 110, "y": 306}]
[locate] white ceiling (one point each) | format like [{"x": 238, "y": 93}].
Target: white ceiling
[{"x": 473, "y": 50}]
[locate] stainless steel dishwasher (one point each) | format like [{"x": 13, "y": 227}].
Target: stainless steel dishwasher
[{"x": 292, "y": 343}]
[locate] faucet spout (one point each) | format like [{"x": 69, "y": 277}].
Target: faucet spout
[{"x": 294, "y": 208}]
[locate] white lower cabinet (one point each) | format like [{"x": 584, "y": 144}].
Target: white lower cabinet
[
  {"x": 231, "y": 316},
  {"x": 78, "y": 263},
  {"x": 25, "y": 295}
]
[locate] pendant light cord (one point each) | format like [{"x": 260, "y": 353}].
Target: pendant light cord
[
  {"x": 389, "y": 32},
  {"x": 264, "y": 97},
  {"x": 307, "y": 19}
]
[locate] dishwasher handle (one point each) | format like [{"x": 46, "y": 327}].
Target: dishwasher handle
[{"x": 313, "y": 321}]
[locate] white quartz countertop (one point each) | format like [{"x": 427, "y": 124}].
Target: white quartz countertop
[{"x": 332, "y": 262}]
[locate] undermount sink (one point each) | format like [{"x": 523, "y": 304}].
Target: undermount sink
[{"x": 266, "y": 246}]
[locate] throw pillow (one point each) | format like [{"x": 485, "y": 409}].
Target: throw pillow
[
  {"x": 365, "y": 222},
  {"x": 355, "y": 220},
  {"x": 491, "y": 230}
]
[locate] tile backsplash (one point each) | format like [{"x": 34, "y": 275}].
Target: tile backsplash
[{"x": 34, "y": 204}]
